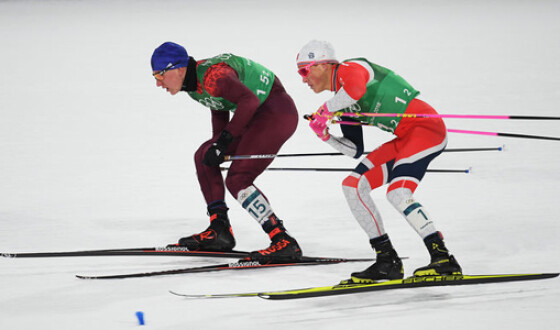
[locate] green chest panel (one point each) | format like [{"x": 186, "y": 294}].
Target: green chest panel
[{"x": 253, "y": 75}]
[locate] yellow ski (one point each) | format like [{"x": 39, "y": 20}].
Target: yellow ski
[{"x": 410, "y": 282}]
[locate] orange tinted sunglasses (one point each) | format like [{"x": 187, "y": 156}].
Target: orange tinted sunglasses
[{"x": 159, "y": 75}]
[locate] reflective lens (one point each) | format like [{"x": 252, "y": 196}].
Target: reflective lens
[
  {"x": 305, "y": 70},
  {"x": 159, "y": 75}
]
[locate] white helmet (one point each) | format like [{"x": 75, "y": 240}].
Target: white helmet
[{"x": 316, "y": 51}]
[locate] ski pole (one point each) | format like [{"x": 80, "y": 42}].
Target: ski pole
[
  {"x": 455, "y": 116},
  {"x": 513, "y": 135},
  {"x": 500, "y": 148},
  {"x": 267, "y": 156},
  {"x": 240, "y": 157},
  {"x": 334, "y": 169}
]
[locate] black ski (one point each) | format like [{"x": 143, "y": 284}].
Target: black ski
[
  {"x": 241, "y": 264},
  {"x": 349, "y": 288},
  {"x": 148, "y": 251}
]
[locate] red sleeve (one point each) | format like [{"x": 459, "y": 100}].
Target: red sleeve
[
  {"x": 220, "y": 80},
  {"x": 354, "y": 78}
]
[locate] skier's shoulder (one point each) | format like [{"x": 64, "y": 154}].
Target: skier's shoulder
[{"x": 355, "y": 68}]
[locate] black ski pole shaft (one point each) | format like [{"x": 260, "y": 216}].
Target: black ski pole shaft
[
  {"x": 335, "y": 169},
  {"x": 512, "y": 135},
  {"x": 500, "y": 148},
  {"x": 265, "y": 156}
]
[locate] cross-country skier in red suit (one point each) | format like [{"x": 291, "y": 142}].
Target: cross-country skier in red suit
[
  {"x": 263, "y": 117},
  {"x": 362, "y": 86}
]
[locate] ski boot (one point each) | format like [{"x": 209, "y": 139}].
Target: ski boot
[
  {"x": 283, "y": 247},
  {"x": 442, "y": 263},
  {"x": 387, "y": 266},
  {"x": 217, "y": 237}
]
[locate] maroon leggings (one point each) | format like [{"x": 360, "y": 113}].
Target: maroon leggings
[{"x": 271, "y": 126}]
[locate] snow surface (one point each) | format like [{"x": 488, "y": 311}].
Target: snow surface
[{"x": 94, "y": 156}]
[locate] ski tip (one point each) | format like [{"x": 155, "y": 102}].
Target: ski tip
[
  {"x": 213, "y": 296},
  {"x": 82, "y": 277},
  {"x": 183, "y": 295},
  {"x": 191, "y": 296}
]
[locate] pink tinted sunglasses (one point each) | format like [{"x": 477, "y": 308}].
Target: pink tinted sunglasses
[{"x": 304, "y": 71}]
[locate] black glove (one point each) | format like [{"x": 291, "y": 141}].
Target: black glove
[{"x": 216, "y": 153}]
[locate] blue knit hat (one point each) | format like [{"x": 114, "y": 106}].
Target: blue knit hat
[{"x": 169, "y": 56}]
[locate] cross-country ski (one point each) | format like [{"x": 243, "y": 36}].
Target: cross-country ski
[
  {"x": 148, "y": 251},
  {"x": 345, "y": 288},
  {"x": 239, "y": 265}
]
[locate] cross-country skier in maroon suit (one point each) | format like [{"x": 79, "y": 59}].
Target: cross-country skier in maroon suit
[{"x": 263, "y": 117}]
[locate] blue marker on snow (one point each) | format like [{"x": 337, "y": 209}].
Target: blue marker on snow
[{"x": 140, "y": 316}]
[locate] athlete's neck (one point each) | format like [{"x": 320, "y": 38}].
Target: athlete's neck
[
  {"x": 333, "y": 69},
  {"x": 189, "y": 83}
]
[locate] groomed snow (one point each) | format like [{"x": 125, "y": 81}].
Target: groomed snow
[{"x": 93, "y": 156}]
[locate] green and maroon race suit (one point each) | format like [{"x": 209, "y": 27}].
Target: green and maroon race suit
[
  {"x": 253, "y": 75},
  {"x": 263, "y": 117}
]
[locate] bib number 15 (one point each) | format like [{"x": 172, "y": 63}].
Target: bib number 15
[{"x": 265, "y": 79}]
